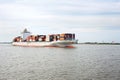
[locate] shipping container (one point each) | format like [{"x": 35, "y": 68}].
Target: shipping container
[{"x": 17, "y": 39}]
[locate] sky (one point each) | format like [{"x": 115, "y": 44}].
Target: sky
[{"x": 90, "y": 20}]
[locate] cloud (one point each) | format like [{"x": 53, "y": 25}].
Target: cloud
[
  {"x": 74, "y": 6},
  {"x": 52, "y": 16},
  {"x": 39, "y": 9},
  {"x": 16, "y": 11},
  {"x": 6, "y": 1}
]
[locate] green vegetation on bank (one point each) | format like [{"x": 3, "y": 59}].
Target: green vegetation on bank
[
  {"x": 101, "y": 43},
  {"x": 5, "y": 42}
]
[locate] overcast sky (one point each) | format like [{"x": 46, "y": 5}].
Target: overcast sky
[{"x": 90, "y": 20}]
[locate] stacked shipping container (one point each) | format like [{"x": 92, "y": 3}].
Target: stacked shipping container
[{"x": 48, "y": 38}]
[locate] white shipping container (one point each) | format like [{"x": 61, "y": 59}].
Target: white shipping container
[{"x": 47, "y": 38}]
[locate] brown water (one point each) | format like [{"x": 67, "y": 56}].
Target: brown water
[{"x": 85, "y": 62}]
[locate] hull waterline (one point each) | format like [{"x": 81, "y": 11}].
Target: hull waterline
[{"x": 45, "y": 44}]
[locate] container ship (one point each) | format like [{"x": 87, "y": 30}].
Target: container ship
[{"x": 51, "y": 40}]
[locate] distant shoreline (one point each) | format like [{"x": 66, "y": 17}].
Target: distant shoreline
[
  {"x": 5, "y": 42},
  {"x": 91, "y": 43},
  {"x": 100, "y": 43}
]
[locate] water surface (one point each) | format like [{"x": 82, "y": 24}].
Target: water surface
[{"x": 85, "y": 62}]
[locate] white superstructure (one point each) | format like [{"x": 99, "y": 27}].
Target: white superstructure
[{"x": 25, "y": 34}]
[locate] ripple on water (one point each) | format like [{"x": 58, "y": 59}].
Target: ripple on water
[{"x": 85, "y": 62}]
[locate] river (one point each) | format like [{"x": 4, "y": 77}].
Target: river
[{"x": 85, "y": 62}]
